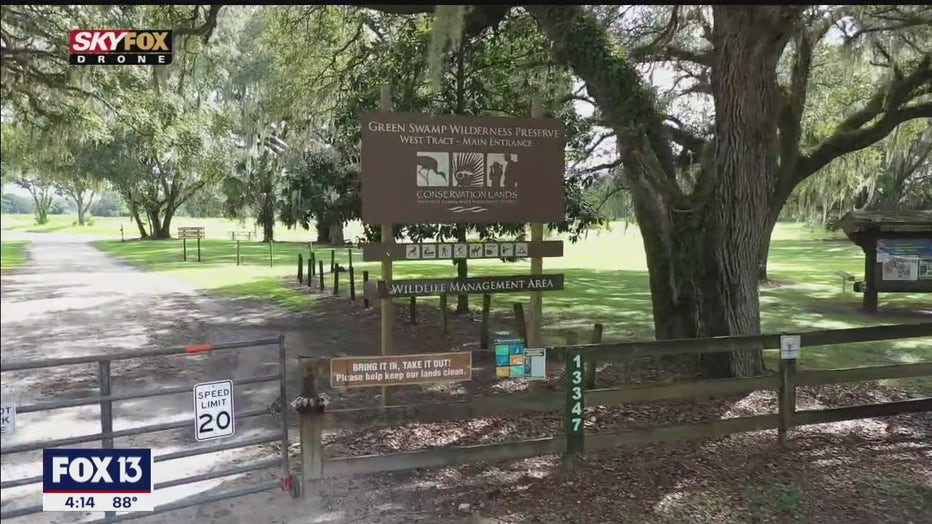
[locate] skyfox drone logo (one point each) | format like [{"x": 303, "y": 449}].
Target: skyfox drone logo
[{"x": 120, "y": 47}]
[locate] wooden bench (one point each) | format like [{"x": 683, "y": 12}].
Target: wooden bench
[
  {"x": 845, "y": 278},
  {"x": 236, "y": 235}
]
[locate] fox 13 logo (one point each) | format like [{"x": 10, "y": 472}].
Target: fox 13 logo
[{"x": 120, "y": 47}]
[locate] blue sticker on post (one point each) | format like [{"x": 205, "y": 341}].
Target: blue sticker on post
[{"x": 97, "y": 480}]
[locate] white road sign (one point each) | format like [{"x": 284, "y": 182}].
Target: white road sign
[
  {"x": 7, "y": 419},
  {"x": 213, "y": 410},
  {"x": 789, "y": 347}
]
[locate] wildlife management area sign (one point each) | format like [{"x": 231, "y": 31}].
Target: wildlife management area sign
[{"x": 419, "y": 168}]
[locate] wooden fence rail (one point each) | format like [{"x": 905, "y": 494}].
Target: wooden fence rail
[{"x": 317, "y": 465}]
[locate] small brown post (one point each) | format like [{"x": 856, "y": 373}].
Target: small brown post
[
  {"x": 787, "y": 398},
  {"x": 352, "y": 283},
  {"x": 320, "y": 270},
  {"x": 486, "y": 309},
  {"x": 349, "y": 256},
  {"x": 300, "y": 268},
  {"x": 311, "y": 430},
  {"x": 237, "y": 252},
  {"x": 365, "y": 299},
  {"x": 184, "y": 249},
  {"x": 122, "y": 239},
  {"x": 270, "y": 253},
  {"x": 591, "y": 362},
  {"x": 336, "y": 282},
  {"x": 313, "y": 263},
  {"x": 443, "y": 313},
  {"x": 412, "y": 309},
  {"x": 310, "y": 272},
  {"x": 199, "y": 246},
  {"x": 333, "y": 259},
  {"x": 520, "y": 323},
  {"x": 869, "y": 245}
]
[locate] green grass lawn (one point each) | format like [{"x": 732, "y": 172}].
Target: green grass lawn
[
  {"x": 12, "y": 254},
  {"x": 606, "y": 281}
]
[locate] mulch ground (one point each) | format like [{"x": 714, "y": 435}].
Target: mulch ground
[{"x": 866, "y": 471}]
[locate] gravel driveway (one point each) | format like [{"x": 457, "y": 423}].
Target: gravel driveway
[{"x": 70, "y": 300}]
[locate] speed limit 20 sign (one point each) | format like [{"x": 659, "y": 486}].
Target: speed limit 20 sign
[{"x": 213, "y": 410}]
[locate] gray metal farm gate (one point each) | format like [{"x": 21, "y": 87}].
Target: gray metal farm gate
[{"x": 106, "y": 398}]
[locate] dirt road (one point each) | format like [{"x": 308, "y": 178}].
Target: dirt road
[{"x": 70, "y": 300}]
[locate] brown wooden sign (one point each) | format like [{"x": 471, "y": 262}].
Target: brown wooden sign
[
  {"x": 421, "y": 168},
  {"x": 453, "y": 286},
  {"x": 190, "y": 232},
  {"x": 399, "y": 370},
  {"x": 462, "y": 250}
]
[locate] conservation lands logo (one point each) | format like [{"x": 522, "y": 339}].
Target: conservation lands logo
[{"x": 467, "y": 181}]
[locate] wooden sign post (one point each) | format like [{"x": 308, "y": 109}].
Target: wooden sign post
[
  {"x": 434, "y": 169},
  {"x": 535, "y": 307},
  {"x": 386, "y": 304},
  {"x": 196, "y": 233}
]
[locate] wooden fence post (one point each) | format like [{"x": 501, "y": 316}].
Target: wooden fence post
[
  {"x": 320, "y": 271},
  {"x": 352, "y": 283},
  {"x": 520, "y": 322},
  {"x": 198, "y": 247},
  {"x": 336, "y": 282},
  {"x": 313, "y": 263},
  {"x": 184, "y": 249},
  {"x": 486, "y": 308},
  {"x": 310, "y": 273},
  {"x": 311, "y": 430},
  {"x": 300, "y": 268},
  {"x": 787, "y": 398},
  {"x": 270, "y": 253},
  {"x": 412, "y": 309},
  {"x": 237, "y": 252},
  {"x": 591, "y": 362},
  {"x": 365, "y": 299},
  {"x": 333, "y": 259}
]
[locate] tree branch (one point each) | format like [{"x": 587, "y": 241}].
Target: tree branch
[
  {"x": 844, "y": 142},
  {"x": 686, "y": 139},
  {"x": 615, "y": 84}
]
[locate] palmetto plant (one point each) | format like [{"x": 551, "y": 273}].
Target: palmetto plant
[{"x": 253, "y": 187}]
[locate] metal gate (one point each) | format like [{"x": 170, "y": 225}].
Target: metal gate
[{"x": 106, "y": 398}]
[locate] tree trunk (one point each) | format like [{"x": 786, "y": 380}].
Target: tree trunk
[
  {"x": 704, "y": 258},
  {"x": 134, "y": 213},
  {"x": 42, "y": 202},
  {"x": 323, "y": 232},
  {"x": 267, "y": 220},
  {"x": 155, "y": 224},
  {"x": 165, "y": 230},
  {"x": 79, "y": 203},
  {"x": 764, "y": 251},
  {"x": 336, "y": 234}
]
